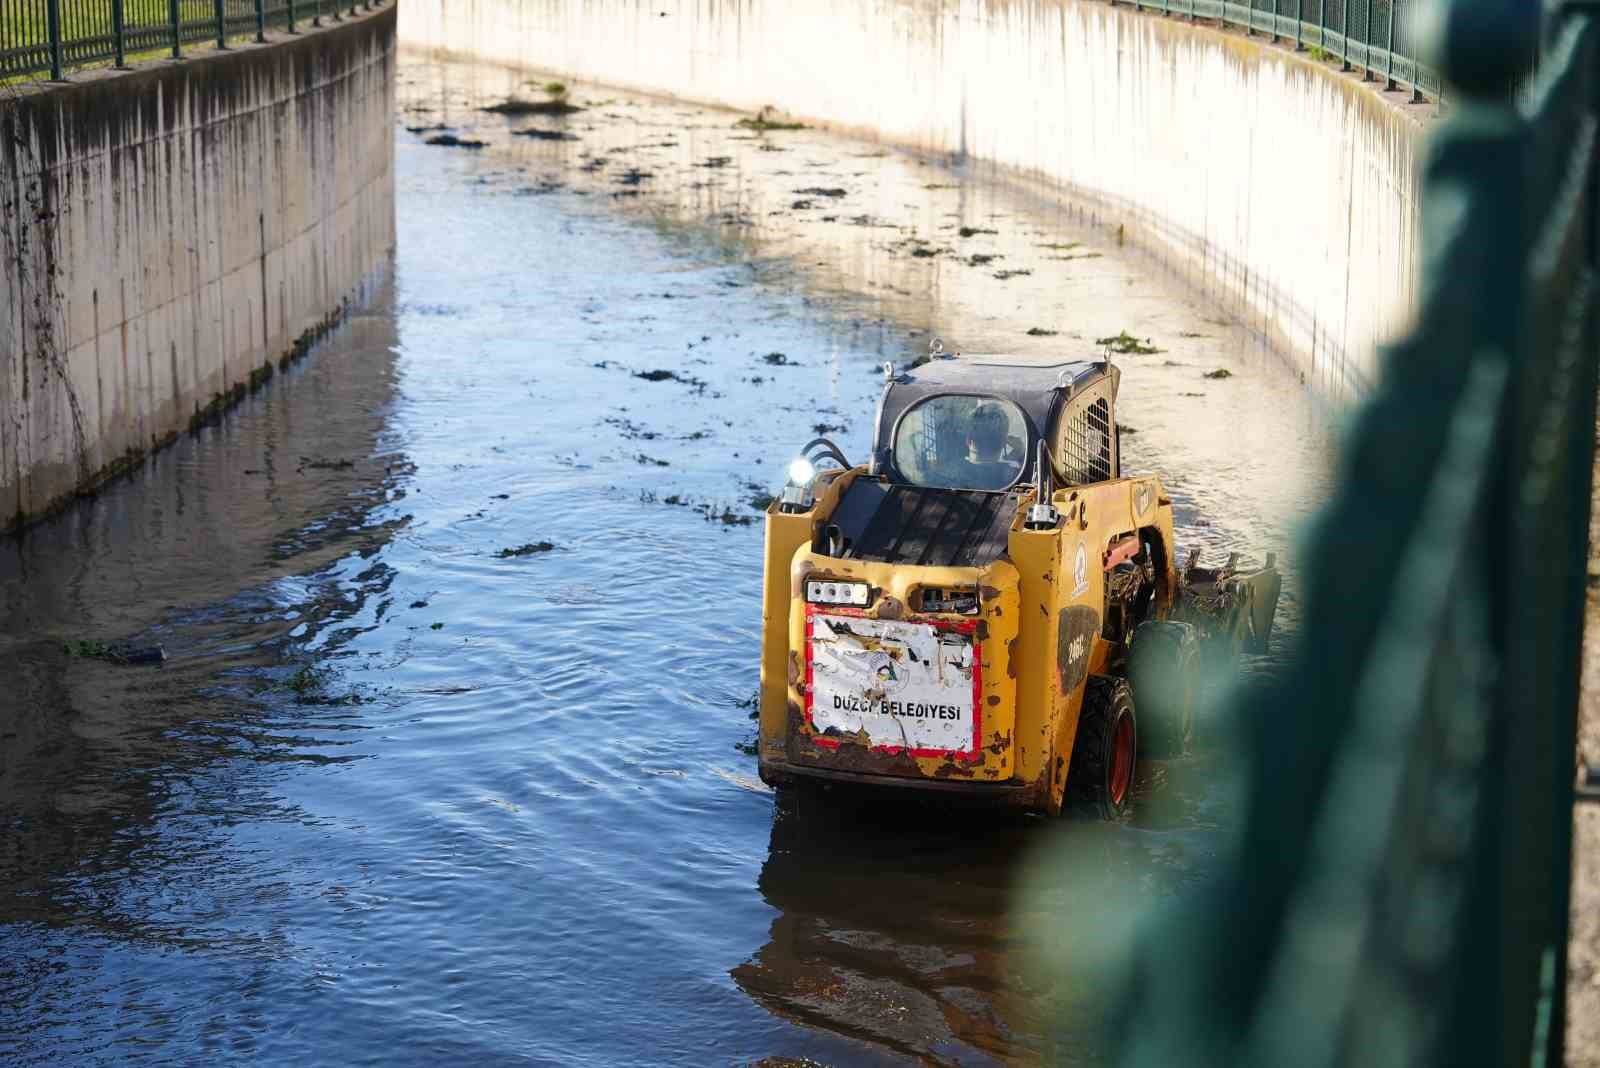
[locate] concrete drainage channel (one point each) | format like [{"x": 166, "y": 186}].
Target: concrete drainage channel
[
  {"x": 164, "y": 256},
  {"x": 1280, "y": 189}
]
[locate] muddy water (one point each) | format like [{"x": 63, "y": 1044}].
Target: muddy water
[{"x": 450, "y": 757}]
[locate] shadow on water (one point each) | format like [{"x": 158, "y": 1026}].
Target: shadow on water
[
  {"x": 892, "y": 923},
  {"x": 110, "y": 774},
  {"x": 949, "y": 934}
]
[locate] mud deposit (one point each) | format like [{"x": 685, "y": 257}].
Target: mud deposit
[{"x": 449, "y": 761}]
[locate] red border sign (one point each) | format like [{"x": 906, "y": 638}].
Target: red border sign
[{"x": 963, "y": 626}]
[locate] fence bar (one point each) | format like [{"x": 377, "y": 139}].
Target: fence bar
[
  {"x": 119, "y": 33},
  {"x": 291, "y": 17},
  {"x": 1344, "y": 53},
  {"x": 53, "y": 28},
  {"x": 316, "y": 18},
  {"x": 221, "y": 15},
  {"x": 1390, "y": 87},
  {"x": 1299, "y": 24},
  {"x": 261, "y": 22},
  {"x": 175, "y": 24},
  {"x": 1366, "y": 66}
]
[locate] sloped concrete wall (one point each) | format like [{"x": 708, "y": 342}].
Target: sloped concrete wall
[
  {"x": 1283, "y": 190},
  {"x": 168, "y": 235}
]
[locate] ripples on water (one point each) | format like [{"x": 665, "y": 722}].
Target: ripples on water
[{"x": 397, "y": 798}]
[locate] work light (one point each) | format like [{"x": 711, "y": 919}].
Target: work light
[{"x": 825, "y": 591}]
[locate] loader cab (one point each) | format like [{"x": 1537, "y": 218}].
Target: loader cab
[
  {"x": 973, "y": 423},
  {"x": 957, "y": 446}
]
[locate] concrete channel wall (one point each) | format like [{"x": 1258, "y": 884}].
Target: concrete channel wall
[
  {"x": 170, "y": 235},
  {"x": 1283, "y": 190}
]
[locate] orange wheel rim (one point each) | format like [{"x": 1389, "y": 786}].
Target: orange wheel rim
[{"x": 1121, "y": 760}]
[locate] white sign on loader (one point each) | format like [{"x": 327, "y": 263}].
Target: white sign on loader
[{"x": 907, "y": 685}]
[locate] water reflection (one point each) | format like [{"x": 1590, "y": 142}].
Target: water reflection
[
  {"x": 893, "y": 926},
  {"x": 109, "y": 784},
  {"x": 406, "y": 792}
]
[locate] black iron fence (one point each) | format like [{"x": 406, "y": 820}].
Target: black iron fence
[
  {"x": 51, "y": 37},
  {"x": 1373, "y": 36},
  {"x": 1399, "y": 890}
]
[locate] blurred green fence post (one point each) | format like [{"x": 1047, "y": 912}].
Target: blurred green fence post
[
  {"x": 220, "y": 12},
  {"x": 1397, "y": 892},
  {"x": 261, "y": 21},
  {"x": 175, "y": 25}
]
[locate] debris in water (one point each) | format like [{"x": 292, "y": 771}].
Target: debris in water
[
  {"x": 818, "y": 191},
  {"x": 521, "y": 550},
  {"x": 670, "y": 376},
  {"x": 419, "y": 604},
  {"x": 312, "y": 463},
  {"x": 1124, "y": 428},
  {"x": 821, "y": 429},
  {"x": 544, "y": 135},
  {"x": 969, "y": 231},
  {"x": 449, "y": 140},
  {"x": 979, "y": 259},
  {"x": 715, "y": 163},
  {"x": 90, "y": 649},
  {"x": 650, "y": 461},
  {"x": 1003, "y": 275},
  {"x": 1039, "y": 331},
  {"x": 633, "y": 176},
  {"x": 1221, "y": 372},
  {"x": 513, "y": 106},
  {"x": 767, "y": 119},
  {"x": 1125, "y": 344},
  {"x": 778, "y": 359},
  {"x": 631, "y": 430}
]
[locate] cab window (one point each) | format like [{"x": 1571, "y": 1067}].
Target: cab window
[{"x": 962, "y": 442}]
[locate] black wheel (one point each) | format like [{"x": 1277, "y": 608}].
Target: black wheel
[
  {"x": 1100, "y": 778},
  {"x": 1164, "y": 668}
]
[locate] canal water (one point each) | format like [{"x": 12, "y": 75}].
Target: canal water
[{"x": 451, "y": 758}]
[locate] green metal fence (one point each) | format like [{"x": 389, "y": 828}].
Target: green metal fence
[
  {"x": 1399, "y": 891},
  {"x": 50, "y": 37},
  {"x": 1373, "y": 36}
]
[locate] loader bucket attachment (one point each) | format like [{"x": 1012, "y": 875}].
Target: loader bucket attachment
[{"x": 1232, "y": 610}]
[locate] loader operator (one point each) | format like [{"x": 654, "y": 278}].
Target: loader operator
[{"x": 983, "y": 466}]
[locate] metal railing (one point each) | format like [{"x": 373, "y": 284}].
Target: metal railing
[
  {"x": 52, "y": 37},
  {"x": 1373, "y": 36},
  {"x": 1399, "y": 891}
]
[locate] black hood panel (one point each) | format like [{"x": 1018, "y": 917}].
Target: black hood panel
[{"x": 899, "y": 524}]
